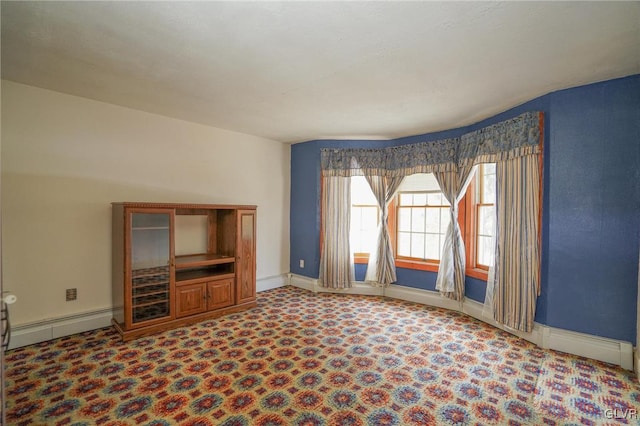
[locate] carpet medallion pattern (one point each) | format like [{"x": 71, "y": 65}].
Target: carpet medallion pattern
[{"x": 301, "y": 358}]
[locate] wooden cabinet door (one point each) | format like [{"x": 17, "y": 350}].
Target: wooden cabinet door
[
  {"x": 190, "y": 299},
  {"x": 220, "y": 294},
  {"x": 246, "y": 256}
]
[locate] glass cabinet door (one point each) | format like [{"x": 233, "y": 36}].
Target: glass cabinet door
[{"x": 150, "y": 257}]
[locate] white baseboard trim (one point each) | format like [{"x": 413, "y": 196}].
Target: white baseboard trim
[
  {"x": 269, "y": 283},
  {"x": 603, "y": 349},
  {"x": 41, "y": 331},
  {"x": 303, "y": 282},
  {"x": 313, "y": 285},
  {"x": 537, "y": 335},
  {"x": 595, "y": 347},
  {"x": 425, "y": 297}
]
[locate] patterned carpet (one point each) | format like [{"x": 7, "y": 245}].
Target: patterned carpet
[{"x": 307, "y": 359}]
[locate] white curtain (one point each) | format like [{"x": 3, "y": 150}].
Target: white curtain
[
  {"x": 381, "y": 268},
  {"x": 336, "y": 259},
  {"x": 451, "y": 272}
]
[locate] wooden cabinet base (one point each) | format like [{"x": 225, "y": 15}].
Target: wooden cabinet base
[{"x": 180, "y": 322}]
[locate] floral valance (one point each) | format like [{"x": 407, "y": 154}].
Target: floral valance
[{"x": 508, "y": 139}]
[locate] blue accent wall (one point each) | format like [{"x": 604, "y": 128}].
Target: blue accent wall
[
  {"x": 594, "y": 208},
  {"x": 591, "y": 207}
]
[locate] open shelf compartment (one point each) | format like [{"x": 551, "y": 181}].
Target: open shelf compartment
[{"x": 203, "y": 259}]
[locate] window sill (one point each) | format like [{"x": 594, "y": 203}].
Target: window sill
[
  {"x": 480, "y": 274},
  {"x": 416, "y": 264},
  {"x": 477, "y": 273},
  {"x": 361, "y": 259}
]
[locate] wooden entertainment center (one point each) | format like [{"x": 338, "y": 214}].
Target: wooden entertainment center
[{"x": 154, "y": 289}]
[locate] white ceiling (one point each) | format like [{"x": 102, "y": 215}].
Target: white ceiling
[{"x": 295, "y": 71}]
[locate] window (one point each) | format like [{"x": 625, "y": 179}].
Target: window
[
  {"x": 423, "y": 218},
  {"x": 480, "y": 224},
  {"x": 486, "y": 214},
  {"x": 364, "y": 217},
  {"x": 418, "y": 219}
]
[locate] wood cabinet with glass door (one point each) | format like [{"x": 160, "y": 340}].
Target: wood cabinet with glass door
[{"x": 155, "y": 289}]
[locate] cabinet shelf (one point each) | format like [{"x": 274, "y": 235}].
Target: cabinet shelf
[
  {"x": 151, "y": 293},
  {"x": 158, "y": 271},
  {"x": 198, "y": 275},
  {"x": 150, "y": 300},
  {"x": 203, "y": 259},
  {"x": 136, "y": 286}
]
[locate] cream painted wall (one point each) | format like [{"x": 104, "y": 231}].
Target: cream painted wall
[{"x": 65, "y": 159}]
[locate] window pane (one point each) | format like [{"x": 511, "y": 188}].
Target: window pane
[
  {"x": 445, "y": 219},
  {"x": 417, "y": 219},
  {"x": 417, "y": 245},
  {"x": 369, "y": 218},
  {"x": 433, "y": 220},
  {"x": 433, "y": 246},
  {"x": 367, "y": 242},
  {"x": 356, "y": 219},
  {"x": 406, "y": 199},
  {"x": 490, "y": 168},
  {"x": 356, "y": 226},
  {"x": 486, "y": 220},
  {"x": 354, "y": 242},
  {"x": 488, "y": 176},
  {"x": 419, "y": 182},
  {"x": 485, "y": 251},
  {"x": 364, "y": 225},
  {"x": 404, "y": 220},
  {"x": 419, "y": 199},
  {"x": 489, "y": 189},
  {"x": 361, "y": 191},
  {"x": 404, "y": 244},
  {"x": 435, "y": 199}
]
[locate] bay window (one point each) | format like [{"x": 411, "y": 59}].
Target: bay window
[{"x": 418, "y": 219}]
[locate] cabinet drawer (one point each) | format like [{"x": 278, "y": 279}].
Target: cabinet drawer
[{"x": 220, "y": 293}]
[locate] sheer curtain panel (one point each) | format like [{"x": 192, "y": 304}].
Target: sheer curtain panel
[
  {"x": 450, "y": 280},
  {"x": 336, "y": 259},
  {"x": 381, "y": 269}
]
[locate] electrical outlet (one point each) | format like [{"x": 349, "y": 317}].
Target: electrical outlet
[
  {"x": 72, "y": 294},
  {"x": 302, "y": 263}
]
